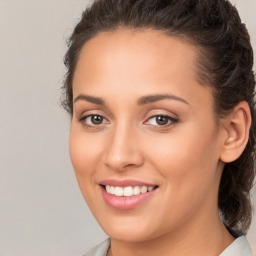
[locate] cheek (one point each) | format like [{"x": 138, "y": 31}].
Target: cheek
[
  {"x": 188, "y": 166},
  {"x": 84, "y": 151},
  {"x": 187, "y": 159},
  {"x": 85, "y": 154}
]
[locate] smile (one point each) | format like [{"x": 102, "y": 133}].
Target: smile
[
  {"x": 126, "y": 195},
  {"x": 128, "y": 191}
]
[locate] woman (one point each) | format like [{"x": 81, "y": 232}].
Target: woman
[{"x": 162, "y": 136}]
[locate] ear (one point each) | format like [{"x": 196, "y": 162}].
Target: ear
[{"x": 236, "y": 132}]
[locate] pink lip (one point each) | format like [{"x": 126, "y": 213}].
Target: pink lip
[{"x": 125, "y": 202}]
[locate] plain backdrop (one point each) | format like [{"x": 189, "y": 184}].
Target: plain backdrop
[{"x": 41, "y": 210}]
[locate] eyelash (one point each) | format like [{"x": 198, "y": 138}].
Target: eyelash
[
  {"x": 83, "y": 120},
  {"x": 170, "y": 121}
]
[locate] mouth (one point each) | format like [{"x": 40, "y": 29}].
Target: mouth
[
  {"x": 128, "y": 194},
  {"x": 128, "y": 190}
]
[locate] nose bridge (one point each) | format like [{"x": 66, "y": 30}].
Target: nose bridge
[{"x": 123, "y": 149}]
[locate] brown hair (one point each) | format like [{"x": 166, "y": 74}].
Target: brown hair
[{"x": 225, "y": 63}]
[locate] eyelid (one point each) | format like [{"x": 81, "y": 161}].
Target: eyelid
[
  {"x": 90, "y": 115},
  {"x": 87, "y": 114},
  {"x": 173, "y": 118},
  {"x": 91, "y": 112},
  {"x": 160, "y": 112}
]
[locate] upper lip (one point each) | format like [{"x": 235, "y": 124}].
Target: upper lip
[{"x": 125, "y": 183}]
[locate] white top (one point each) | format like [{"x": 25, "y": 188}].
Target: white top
[{"x": 240, "y": 247}]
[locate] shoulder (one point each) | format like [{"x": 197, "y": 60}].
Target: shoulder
[
  {"x": 99, "y": 250},
  {"x": 239, "y": 247}
]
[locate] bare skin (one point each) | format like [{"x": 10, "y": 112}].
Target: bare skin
[{"x": 115, "y": 134}]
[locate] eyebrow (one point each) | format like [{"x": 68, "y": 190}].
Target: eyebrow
[
  {"x": 156, "y": 97},
  {"x": 91, "y": 99},
  {"x": 141, "y": 101}
]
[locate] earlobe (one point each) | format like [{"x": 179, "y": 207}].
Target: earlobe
[{"x": 236, "y": 125}]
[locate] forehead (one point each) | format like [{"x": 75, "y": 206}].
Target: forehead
[
  {"x": 133, "y": 52},
  {"x": 136, "y": 62}
]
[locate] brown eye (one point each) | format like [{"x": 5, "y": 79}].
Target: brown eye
[
  {"x": 96, "y": 119},
  {"x": 162, "y": 120},
  {"x": 93, "y": 120}
]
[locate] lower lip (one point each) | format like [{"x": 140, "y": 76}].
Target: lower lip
[{"x": 126, "y": 202}]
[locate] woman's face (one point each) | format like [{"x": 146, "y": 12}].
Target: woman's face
[{"x": 144, "y": 129}]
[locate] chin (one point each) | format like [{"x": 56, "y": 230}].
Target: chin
[
  {"x": 137, "y": 231},
  {"x": 131, "y": 236}
]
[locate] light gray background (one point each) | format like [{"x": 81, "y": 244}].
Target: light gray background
[{"x": 41, "y": 210}]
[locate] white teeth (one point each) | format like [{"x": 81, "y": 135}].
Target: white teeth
[
  {"x": 150, "y": 189},
  {"x": 143, "y": 190},
  {"x": 119, "y": 191},
  {"x": 136, "y": 190},
  {"x": 112, "y": 190},
  {"x": 128, "y": 191},
  {"x": 108, "y": 189}
]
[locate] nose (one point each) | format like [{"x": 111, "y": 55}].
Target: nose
[{"x": 123, "y": 150}]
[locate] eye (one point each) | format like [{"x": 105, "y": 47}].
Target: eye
[
  {"x": 161, "y": 120},
  {"x": 93, "y": 120}
]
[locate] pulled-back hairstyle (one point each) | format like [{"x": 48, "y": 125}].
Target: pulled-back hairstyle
[{"x": 224, "y": 62}]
